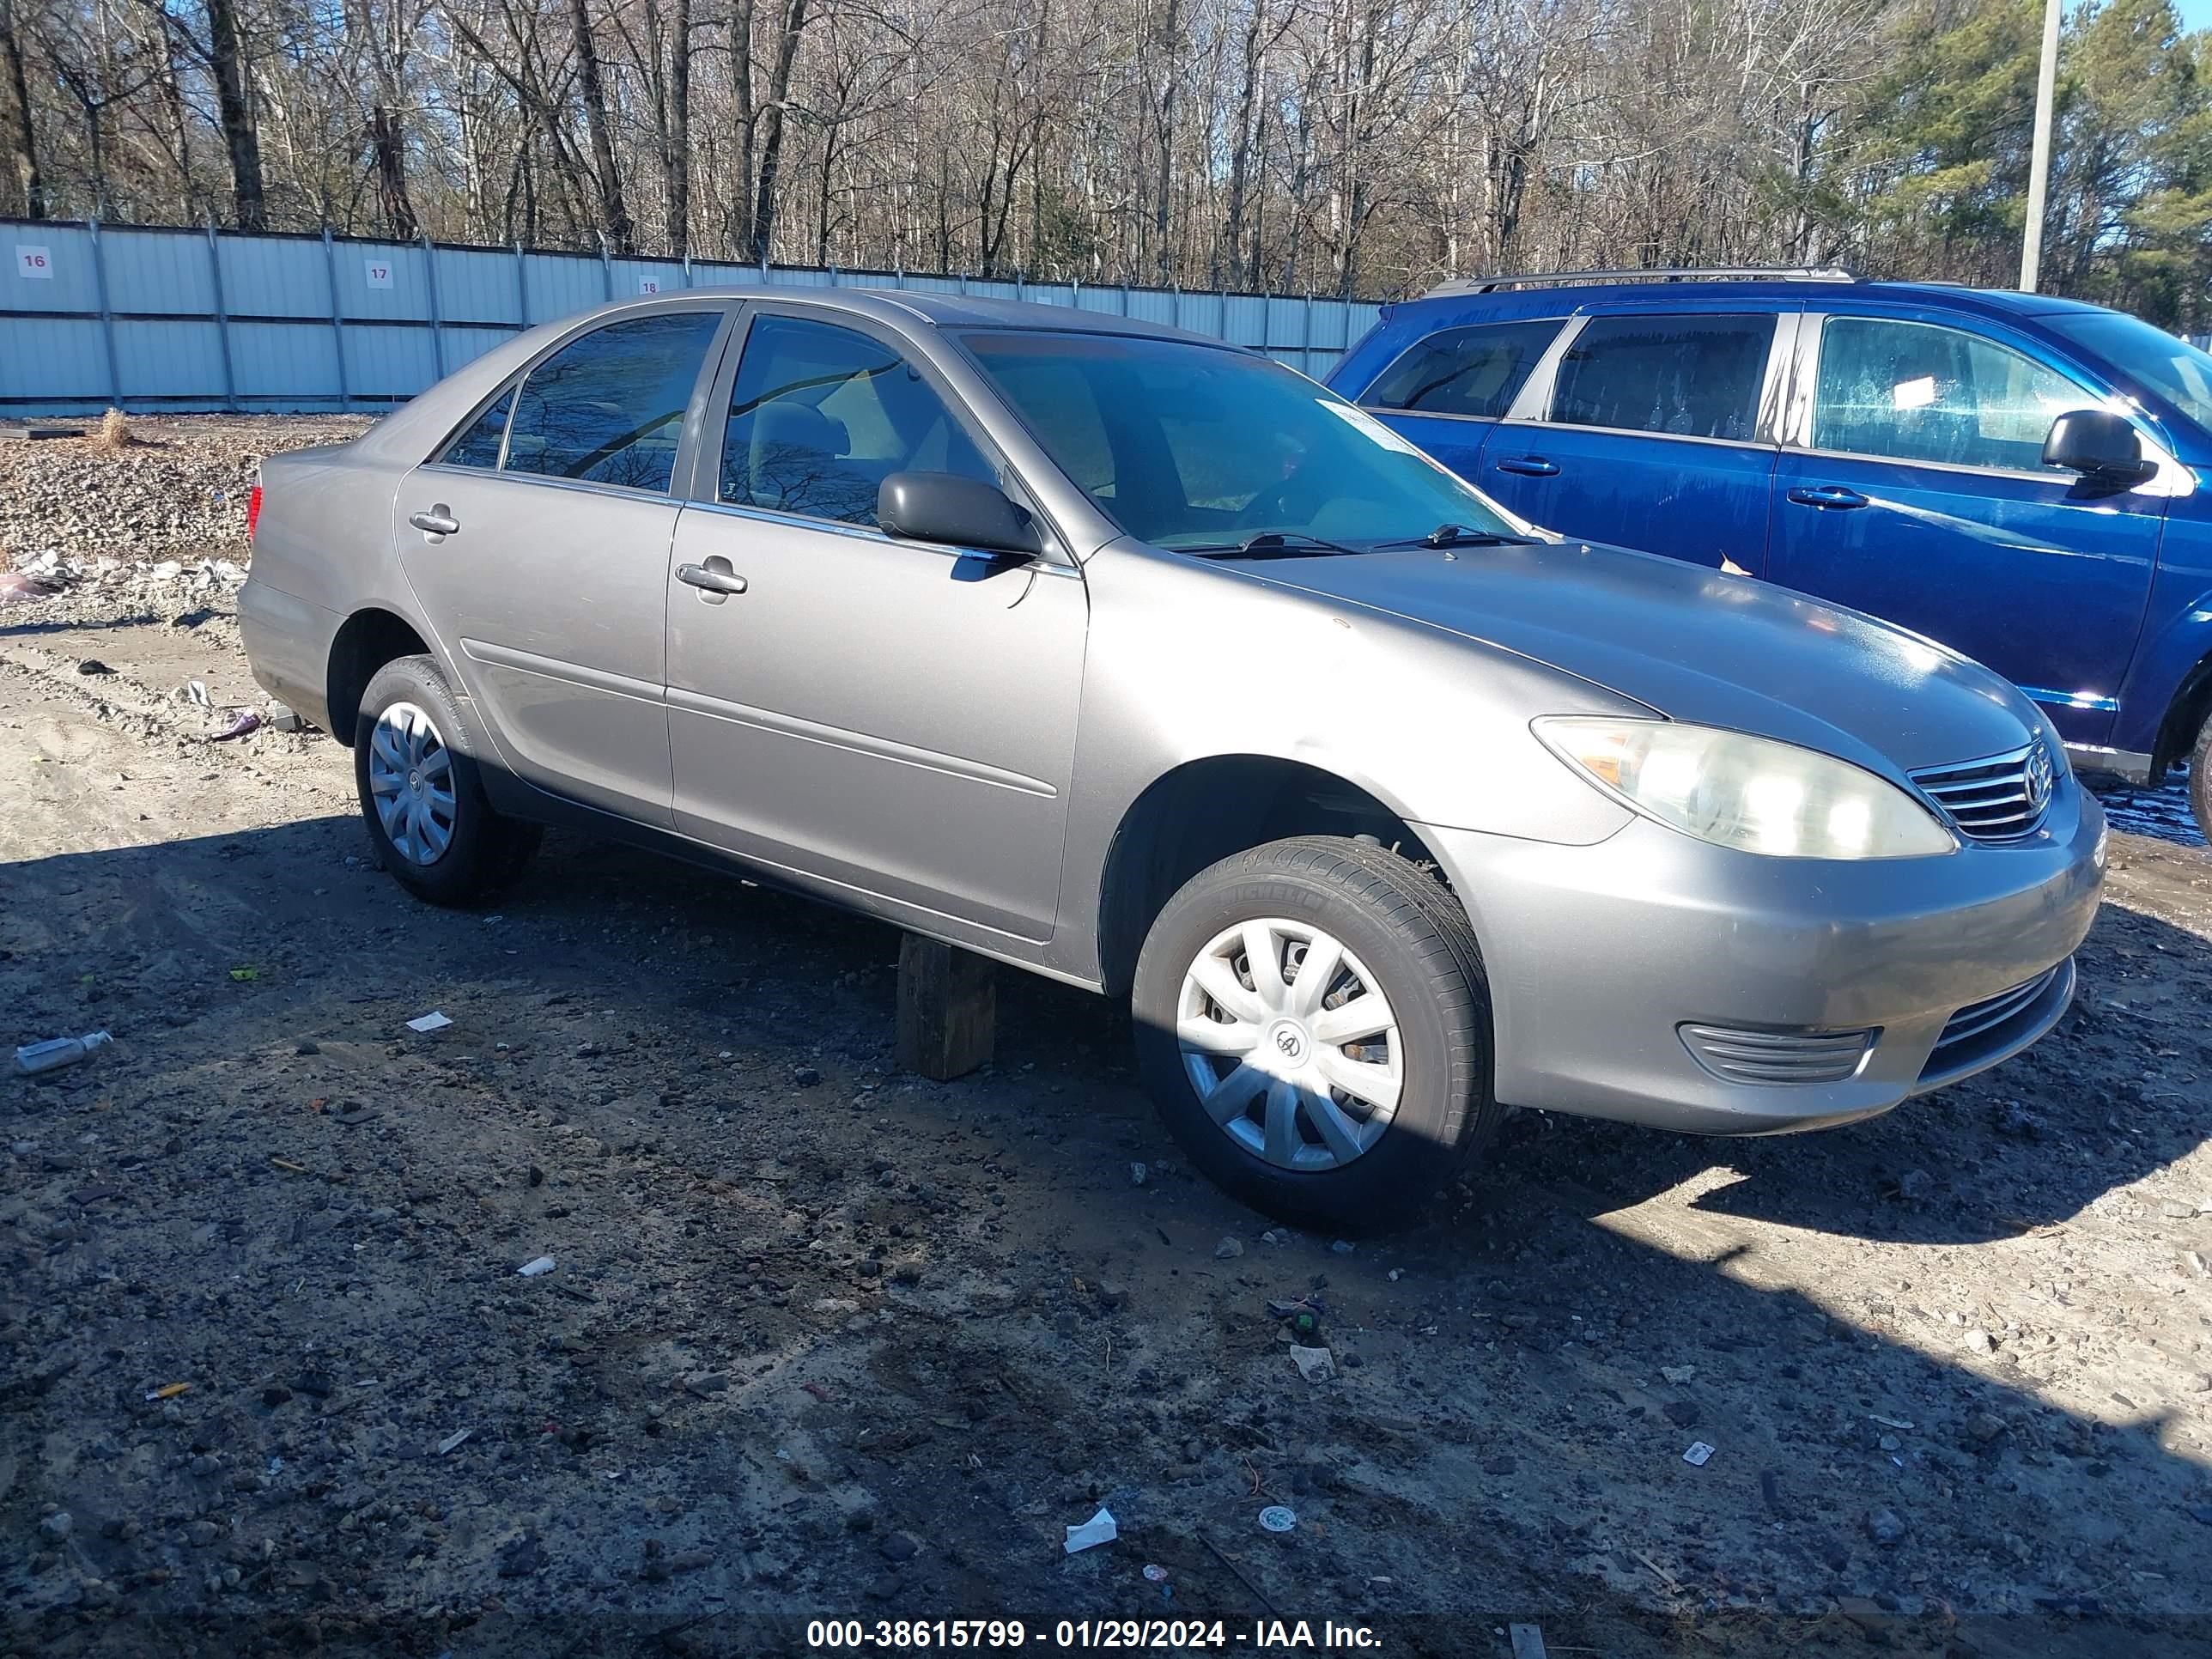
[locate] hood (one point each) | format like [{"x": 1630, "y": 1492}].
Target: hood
[{"x": 1694, "y": 645}]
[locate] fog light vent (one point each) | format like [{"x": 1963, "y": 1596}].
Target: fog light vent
[{"x": 1772, "y": 1057}]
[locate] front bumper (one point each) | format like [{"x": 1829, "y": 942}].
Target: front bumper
[{"x": 1597, "y": 955}]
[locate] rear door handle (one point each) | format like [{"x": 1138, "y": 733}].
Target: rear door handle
[
  {"x": 1529, "y": 467},
  {"x": 438, "y": 521},
  {"x": 1827, "y": 495},
  {"x": 715, "y": 579}
]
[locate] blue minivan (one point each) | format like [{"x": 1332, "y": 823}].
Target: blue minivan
[{"x": 2028, "y": 480}]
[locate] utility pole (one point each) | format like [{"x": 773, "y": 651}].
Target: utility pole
[{"x": 2038, "y": 165}]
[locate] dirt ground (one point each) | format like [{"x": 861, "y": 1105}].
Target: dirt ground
[{"x": 822, "y": 1340}]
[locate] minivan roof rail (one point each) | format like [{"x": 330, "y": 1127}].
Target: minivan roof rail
[{"x": 1735, "y": 273}]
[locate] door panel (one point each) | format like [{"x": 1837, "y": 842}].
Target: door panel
[
  {"x": 890, "y": 717},
  {"x": 2043, "y": 580},
  {"x": 1654, "y": 435},
  {"x": 1916, "y": 497},
  {"x": 1702, "y": 502},
  {"x": 886, "y": 716},
  {"x": 538, "y": 543},
  {"x": 549, "y": 600}
]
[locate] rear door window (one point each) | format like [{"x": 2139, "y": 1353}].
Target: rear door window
[
  {"x": 1689, "y": 377},
  {"x": 821, "y": 415},
  {"x": 1918, "y": 392},
  {"x": 1474, "y": 370},
  {"x": 609, "y": 407}
]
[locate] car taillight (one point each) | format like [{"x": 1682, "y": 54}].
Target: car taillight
[{"x": 252, "y": 511}]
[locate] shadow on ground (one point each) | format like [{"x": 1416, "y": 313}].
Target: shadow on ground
[{"x": 952, "y": 1312}]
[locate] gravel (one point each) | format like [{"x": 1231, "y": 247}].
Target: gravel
[{"x": 176, "y": 491}]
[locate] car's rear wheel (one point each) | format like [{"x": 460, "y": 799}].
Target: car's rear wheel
[
  {"x": 421, "y": 794},
  {"x": 1312, "y": 1019}
]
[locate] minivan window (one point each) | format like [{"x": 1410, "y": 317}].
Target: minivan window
[
  {"x": 1916, "y": 391},
  {"x": 609, "y": 407},
  {"x": 821, "y": 415},
  {"x": 2171, "y": 368},
  {"x": 1691, "y": 377},
  {"x": 478, "y": 443},
  {"x": 1186, "y": 445},
  {"x": 1474, "y": 370}
]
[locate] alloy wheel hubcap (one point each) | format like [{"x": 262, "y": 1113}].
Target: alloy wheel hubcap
[
  {"x": 411, "y": 783},
  {"x": 1291, "y": 1044}
]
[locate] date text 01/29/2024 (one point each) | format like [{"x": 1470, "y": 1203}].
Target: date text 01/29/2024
[{"x": 1125, "y": 1635}]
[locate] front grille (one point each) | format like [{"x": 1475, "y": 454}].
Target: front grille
[
  {"x": 1993, "y": 1023},
  {"x": 1999, "y": 798},
  {"x": 1745, "y": 1056}
]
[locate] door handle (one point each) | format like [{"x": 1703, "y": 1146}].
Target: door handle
[
  {"x": 1529, "y": 467},
  {"x": 437, "y": 523},
  {"x": 715, "y": 579},
  {"x": 1827, "y": 495}
]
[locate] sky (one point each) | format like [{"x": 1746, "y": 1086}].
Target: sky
[{"x": 2195, "y": 14}]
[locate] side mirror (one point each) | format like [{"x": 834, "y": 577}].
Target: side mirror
[
  {"x": 2098, "y": 444},
  {"x": 958, "y": 512}
]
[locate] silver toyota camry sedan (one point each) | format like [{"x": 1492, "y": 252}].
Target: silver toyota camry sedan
[{"x": 1134, "y": 659}]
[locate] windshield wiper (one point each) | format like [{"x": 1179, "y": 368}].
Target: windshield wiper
[
  {"x": 1288, "y": 544},
  {"x": 1458, "y": 535}
]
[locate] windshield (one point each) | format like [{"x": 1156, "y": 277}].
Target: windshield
[
  {"x": 2176, "y": 370},
  {"x": 1193, "y": 447}
]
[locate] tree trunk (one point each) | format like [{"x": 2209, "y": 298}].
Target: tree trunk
[
  {"x": 22, "y": 140},
  {"x": 387, "y": 147},
  {"x": 748, "y": 114},
  {"x": 771, "y": 152},
  {"x": 679, "y": 121},
  {"x": 235, "y": 109},
  {"x": 1241, "y": 157},
  {"x": 614, "y": 211}
]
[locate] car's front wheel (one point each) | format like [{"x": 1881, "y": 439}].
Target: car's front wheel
[
  {"x": 422, "y": 797},
  {"x": 1312, "y": 1019}
]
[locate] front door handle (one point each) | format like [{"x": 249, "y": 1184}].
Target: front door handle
[
  {"x": 715, "y": 579},
  {"x": 1827, "y": 495},
  {"x": 437, "y": 524},
  {"x": 1529, "y": 467}
]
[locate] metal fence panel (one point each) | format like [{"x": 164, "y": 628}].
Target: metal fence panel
[
  {"x": 52, "y": 361},
  {"x": 273, "y": 277},
  {"x": 169, "y": 318}
]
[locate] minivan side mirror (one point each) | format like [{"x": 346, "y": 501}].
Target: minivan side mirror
[
  {"x": 2099, "y": 445},
  {"x": 958, "y": 512}
]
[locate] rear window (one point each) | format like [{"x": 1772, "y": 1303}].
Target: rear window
[
  {"x": 1690, "y": 377},
  {"x": 1474, "y": 370}
]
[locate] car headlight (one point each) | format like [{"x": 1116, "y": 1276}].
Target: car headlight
[{"x": 1751, "y": 793}]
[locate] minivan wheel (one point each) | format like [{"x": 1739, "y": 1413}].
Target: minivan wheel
[
  {"x": 421, "y": 796},
  {"x": 2200, "y": 779},
  {"x": 1312, "y": 1019}
]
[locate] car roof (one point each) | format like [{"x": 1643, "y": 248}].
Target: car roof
[
  {"x": 955, "y": 311},
  {"x": 1557, "y": 297}
]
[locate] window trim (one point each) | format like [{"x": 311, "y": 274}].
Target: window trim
[
  {"x": 2172, "y": 480},
  {"x": 704, "y": 489},
  {"x": 1419, "y": 341},
  {"x": 1533, "y": 406},
  {"x": 592, "y": 323}
]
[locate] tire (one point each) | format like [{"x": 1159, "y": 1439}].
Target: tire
[
  {"x": 458, "y": 851},
  {"x": 1400, "y": 934},
  {"x": 2200, "y": 779}
]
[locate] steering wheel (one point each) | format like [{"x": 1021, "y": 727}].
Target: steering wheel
[{"x": 1268, "y": 507}]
